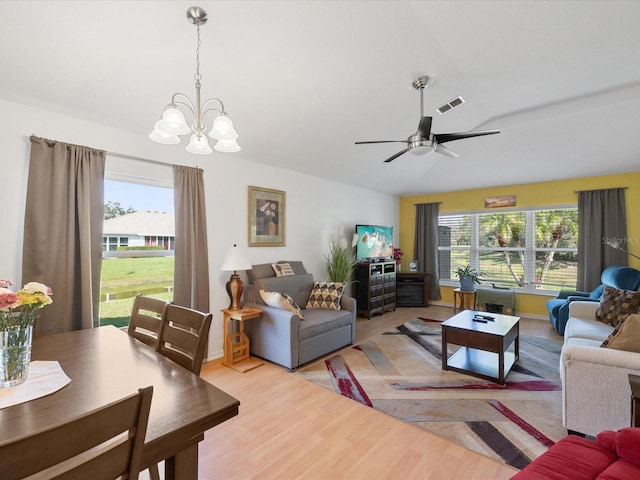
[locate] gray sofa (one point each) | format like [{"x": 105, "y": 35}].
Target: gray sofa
[{"x": 279, "y": 335}]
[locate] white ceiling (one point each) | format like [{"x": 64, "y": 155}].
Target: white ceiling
[{"x": 303, "y": 81}]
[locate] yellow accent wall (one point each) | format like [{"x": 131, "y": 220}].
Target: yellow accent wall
[{"x": 557, "y": 193}]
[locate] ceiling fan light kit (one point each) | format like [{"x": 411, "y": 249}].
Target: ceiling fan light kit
[
  {"x": 173, "y": 123},
  {"x": 423, "y": 141}
]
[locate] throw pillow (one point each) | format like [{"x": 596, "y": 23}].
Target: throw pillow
[
  {"x": 616, "y": 303},
  {"x": 626, "y": 335},
  {"x": 628, "y": 445},
  {"x": 281, "y": 300},
  {"x": 326, "y": 295},
  {"x": 282, "y": 269}
]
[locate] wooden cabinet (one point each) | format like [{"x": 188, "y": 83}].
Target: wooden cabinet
[
  {"x": 375, "y": 286},
  {"x": 412, "y": 289}
]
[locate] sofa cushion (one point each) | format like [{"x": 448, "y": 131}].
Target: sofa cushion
[
  {"x": 281, "y": 300},
  {"x": 326, "y": 295},
  {"x": 265, "y": 270},
  {"x": 628, "y": 445},
  {"x": 567, "y": 460},
  {"x": 626, "y": 335},
  {"x": 581, "y": 328},
  {"x": 319, "y": 320},
  {"x": 616, "y": 303},
  {"x": 282, "y": 269},
  {"x": 297, "y": 287}
]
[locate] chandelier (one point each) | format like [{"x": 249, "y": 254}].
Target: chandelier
[{"x": 173, "y": 123}]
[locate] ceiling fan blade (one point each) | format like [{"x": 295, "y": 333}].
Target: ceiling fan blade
[
  {"x": 450, "y": 137},
  {"x": 446, "y": 151},
  {"x": 424, "y": 127},
  {"x": 393, "y": 157},
  {"x": 383, "y": 141}
]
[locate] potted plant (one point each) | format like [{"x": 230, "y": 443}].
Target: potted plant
[
  {"x": 468, "y": 277},
  {"x": 341, "y": 260}
]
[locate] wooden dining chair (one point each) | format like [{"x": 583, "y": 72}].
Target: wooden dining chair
[
  {"x": 105, "y": 443},
  {"x": 146, "y": 319},
  {"x": 183, "y": 336}
]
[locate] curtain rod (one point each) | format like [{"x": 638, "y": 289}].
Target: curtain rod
[
  {"x": 140, "y": 159},
  {"x": 596, "y": 189}
]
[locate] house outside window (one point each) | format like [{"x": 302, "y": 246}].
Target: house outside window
[{"x": 528, "y": 249}]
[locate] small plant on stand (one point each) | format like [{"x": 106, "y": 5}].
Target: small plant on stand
[{"x": 469, "y": 277}]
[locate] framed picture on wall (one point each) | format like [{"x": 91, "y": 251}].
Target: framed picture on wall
[{"x": 266, "y": 217}]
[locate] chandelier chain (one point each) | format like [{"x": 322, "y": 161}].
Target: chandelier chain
[{"x": 198, "y": 76}]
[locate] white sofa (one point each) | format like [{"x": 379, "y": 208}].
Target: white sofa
[{"x": 595, "y": 388}]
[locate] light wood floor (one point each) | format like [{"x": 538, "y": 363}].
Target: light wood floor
[{"x": 288, "y": 428}]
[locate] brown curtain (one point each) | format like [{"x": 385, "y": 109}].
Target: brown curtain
[
  {"x": 191, "y": 271},
  {"x": 601, "y": 215},
  {"x": 63, "y": 232},
  {"x": 425, "y": 245}
]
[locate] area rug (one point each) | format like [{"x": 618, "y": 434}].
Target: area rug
[{"x": 400, "y": 373}]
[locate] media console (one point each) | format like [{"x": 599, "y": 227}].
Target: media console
[
  {"x": 412, "y": 289},
  {"x": 375, "y": 286}
]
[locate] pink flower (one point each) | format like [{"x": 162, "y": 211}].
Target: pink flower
[
  {"x": 8, "y": 299},
  {"x": 5, "y": 283}
]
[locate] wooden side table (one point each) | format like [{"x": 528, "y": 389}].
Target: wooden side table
[
  {"x": 464, "y": 300},
  {"x": 236, "y": 343},
  {"x": 634, "y": 383}
]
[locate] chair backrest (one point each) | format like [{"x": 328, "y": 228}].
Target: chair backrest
[
  {"x": 146, "y": 319},
  {"x": 60, "y": 451},
  {"x": 624, "y": 278},
  {"x": 184, "y": 335}
]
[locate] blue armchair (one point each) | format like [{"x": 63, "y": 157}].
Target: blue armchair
[{"x": 624, "y": 278}]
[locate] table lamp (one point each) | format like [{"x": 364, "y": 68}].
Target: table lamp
[{"x": 235, "y": 260}]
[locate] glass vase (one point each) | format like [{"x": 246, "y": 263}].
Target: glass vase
[{"x": 15, "y": 354}]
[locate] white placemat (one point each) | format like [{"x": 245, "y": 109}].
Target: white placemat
[{"x": 44, "y": 378}]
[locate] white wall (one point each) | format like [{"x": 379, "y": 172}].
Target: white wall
[{"x": 315, "y": 207}]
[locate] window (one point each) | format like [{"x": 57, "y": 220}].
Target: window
[
  {"x": 138, "y": 246},
  {"x": 532, "y": 249}
]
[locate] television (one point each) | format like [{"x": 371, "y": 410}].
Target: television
[{"x": 375, "y": 242}]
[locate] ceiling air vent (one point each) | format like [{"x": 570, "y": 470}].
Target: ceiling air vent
[{"x": 451, "y": 104}]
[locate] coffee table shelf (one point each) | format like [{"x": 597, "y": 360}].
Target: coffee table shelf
[{"x": 480, "y": 363}]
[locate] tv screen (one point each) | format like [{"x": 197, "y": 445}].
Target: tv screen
[{"x": 374, "y": 242}]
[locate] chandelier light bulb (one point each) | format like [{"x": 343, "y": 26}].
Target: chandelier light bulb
[
  {"x": 173, "y": 121},
  {"x": 198, "y": 145}
]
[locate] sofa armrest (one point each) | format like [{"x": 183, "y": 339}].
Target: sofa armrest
[
  {"x": 349, "y": 304},
  {"x": 583, "y": 309},
  {"x": 564, "y": 294},
  {"x": 274, "y": 335},
  {"x": 595, "y": 388}
]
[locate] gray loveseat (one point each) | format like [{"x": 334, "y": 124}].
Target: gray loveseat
[{"x": 279, "y": 335}]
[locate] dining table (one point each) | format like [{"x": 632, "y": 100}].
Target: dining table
[{"x": 104, "y": 365}]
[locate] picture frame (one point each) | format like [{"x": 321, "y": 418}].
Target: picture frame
[
  {"x": 267, "y": 208},
  {"x": 500, "y": 202}
]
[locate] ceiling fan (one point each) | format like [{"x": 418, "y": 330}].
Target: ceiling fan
[{"x": 423, "y": 141}]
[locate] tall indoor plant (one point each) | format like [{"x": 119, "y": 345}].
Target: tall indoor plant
[
  {"x": 341, "y": 260},
  {"x": 18, "y": 313}
]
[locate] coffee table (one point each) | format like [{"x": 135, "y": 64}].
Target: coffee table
[{"x": 484, "y": 351}]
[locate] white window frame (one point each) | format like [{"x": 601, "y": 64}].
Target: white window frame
[{"x": 529, "y": 250}]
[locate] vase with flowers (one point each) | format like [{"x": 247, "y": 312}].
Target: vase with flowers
[
  {"x": 397, "y": 256},
  {"x": 18, "y": 311}
]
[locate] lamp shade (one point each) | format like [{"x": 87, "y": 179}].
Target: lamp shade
[
  {"x": 198, "y": 145},
  {"x": 222, "y": 128},
  {"x": 173, "y": 121},
  {"x": 235, "y": 259},
  {"x": 160, "y": 136},
  {"x": 227, "y": 146}
]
